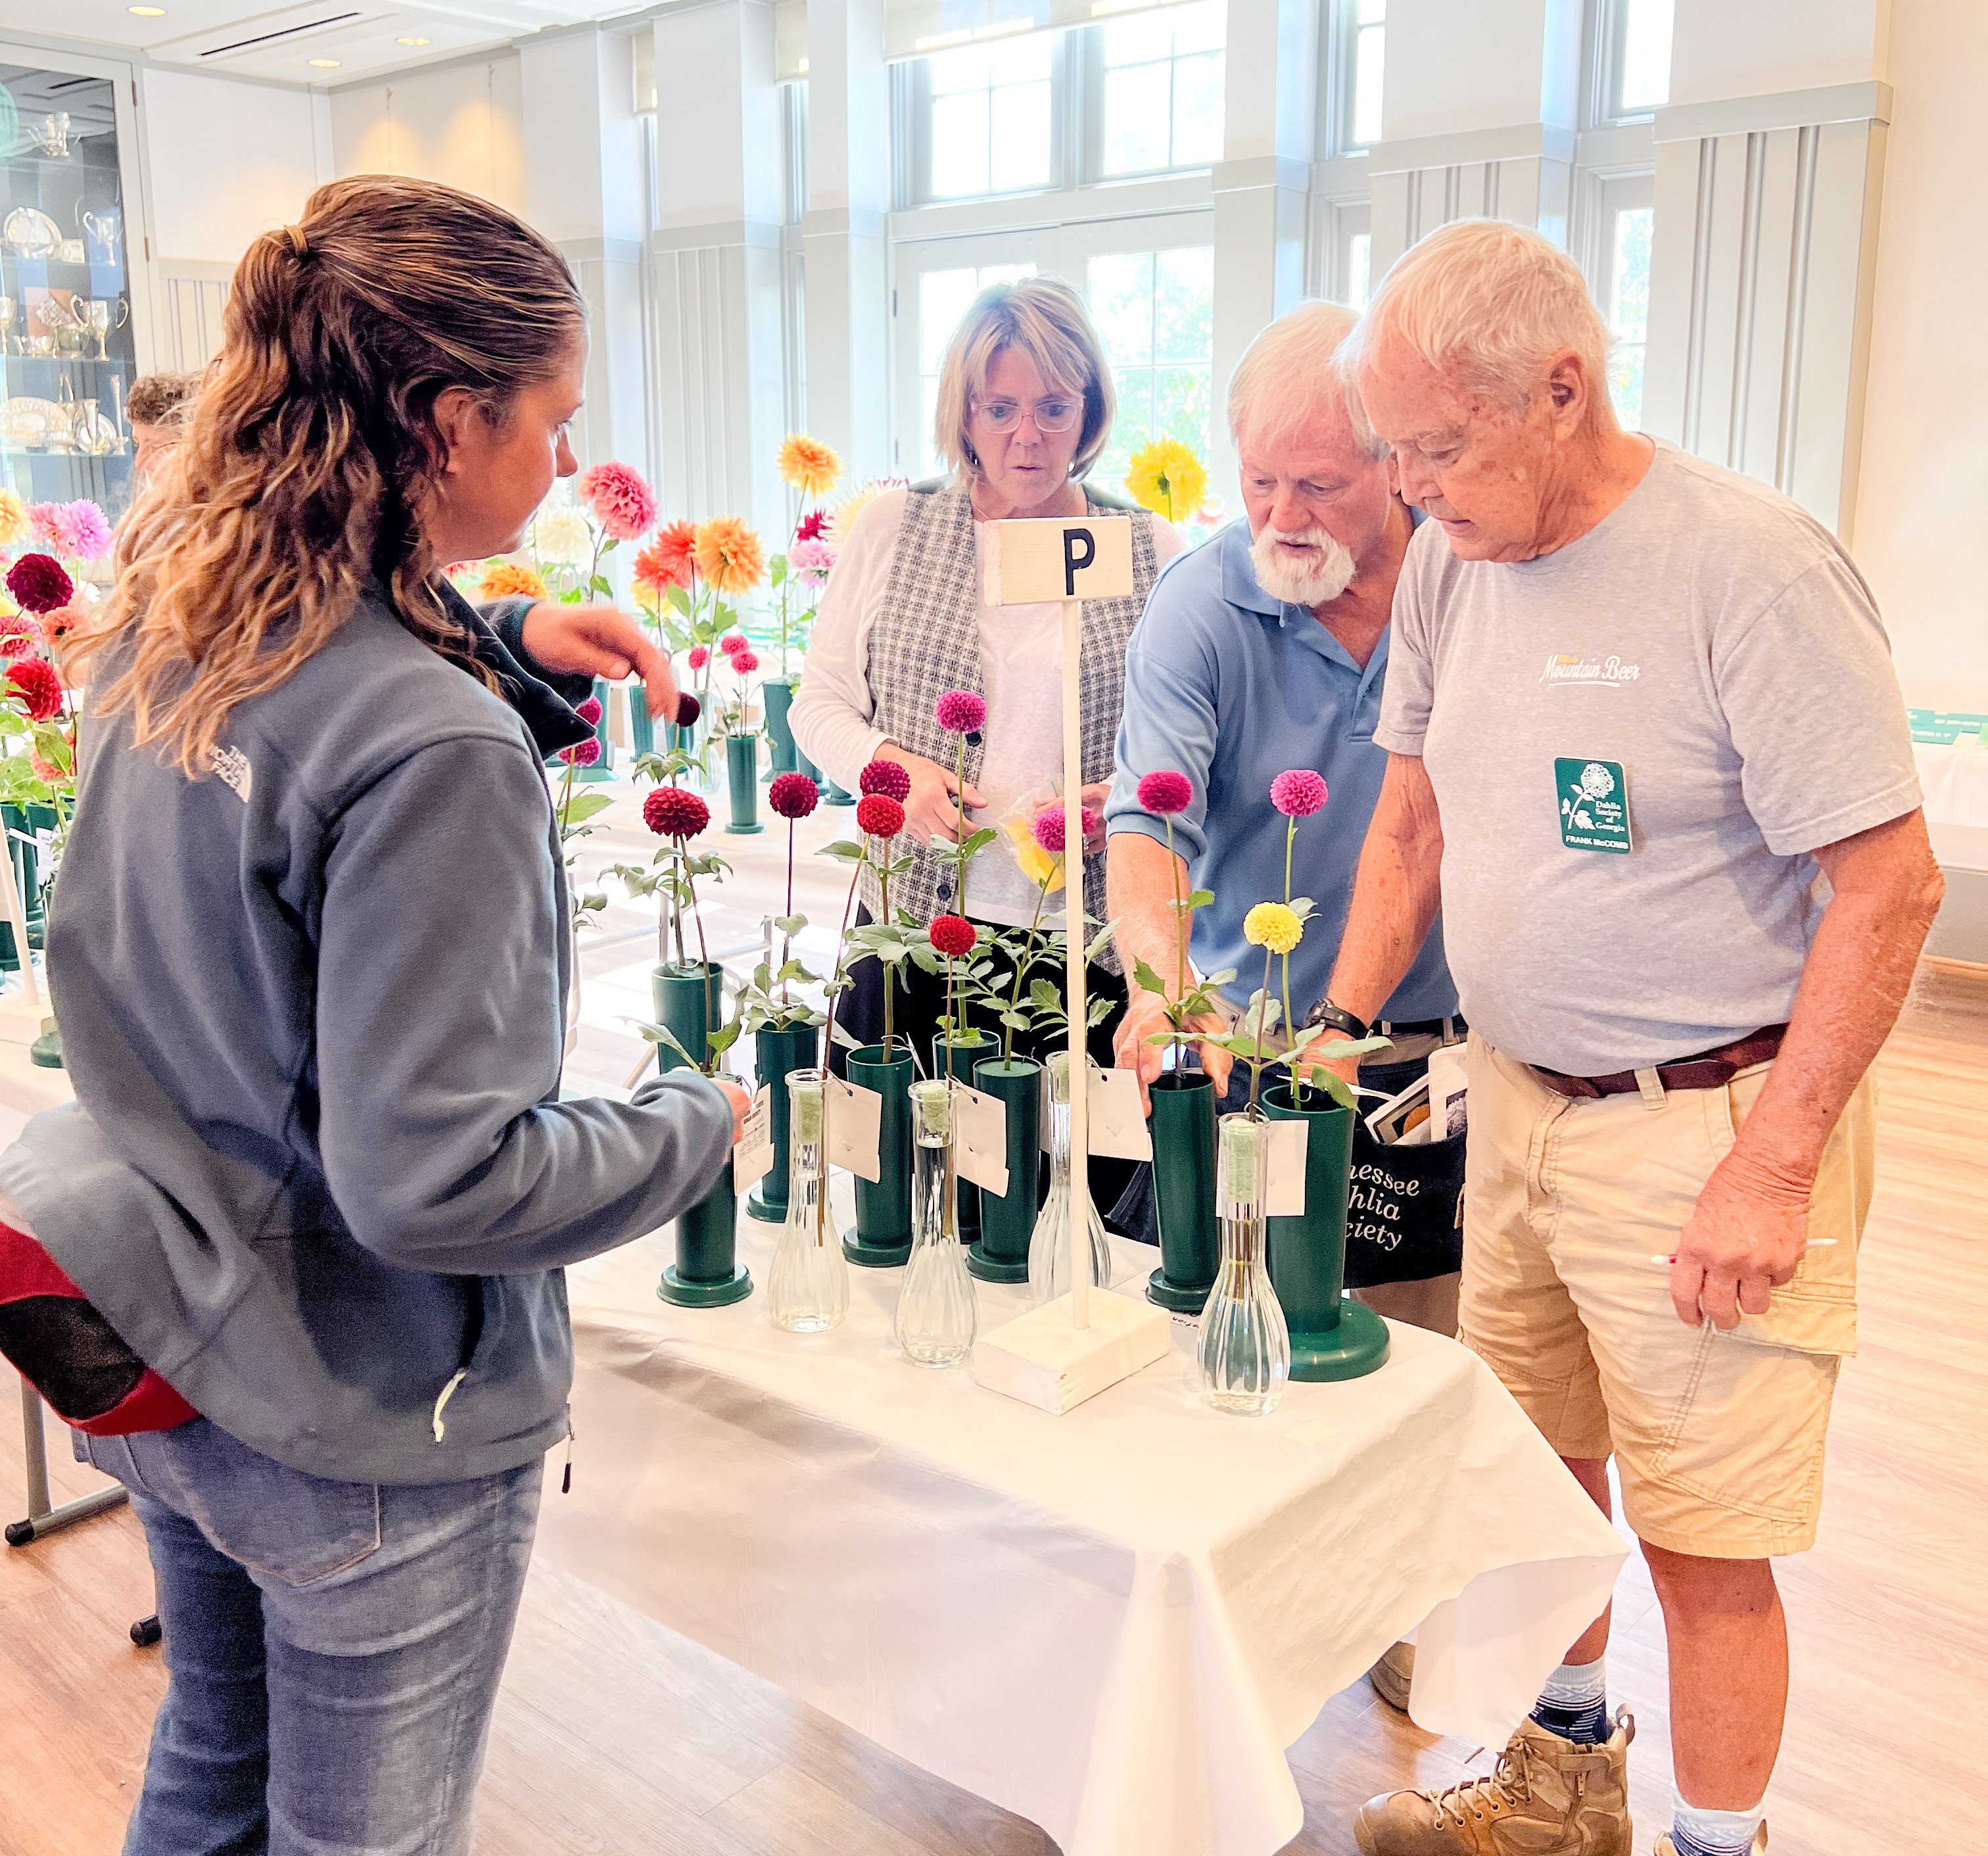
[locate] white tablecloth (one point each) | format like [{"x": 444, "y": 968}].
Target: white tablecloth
[
  {"x": 1112, "y": 1623},
  {"x": 1955, "y": 780}
]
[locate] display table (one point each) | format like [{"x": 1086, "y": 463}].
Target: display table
[
  {"x": 1112, "y": 1623},
  {"x": 1955, "y": 781}
]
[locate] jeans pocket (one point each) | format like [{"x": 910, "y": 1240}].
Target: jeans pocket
[{"x": 272, "y": 1520}]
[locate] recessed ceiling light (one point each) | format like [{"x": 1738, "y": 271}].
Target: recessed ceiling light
[
  {"x": 324, "y": 64},
  {"x": 148, "y": 12},
  {"x": 412, "y": 39}
]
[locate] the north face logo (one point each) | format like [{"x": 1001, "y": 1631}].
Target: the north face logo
[{"x": 230, "y": 766}]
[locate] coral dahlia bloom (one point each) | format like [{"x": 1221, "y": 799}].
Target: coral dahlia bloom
[
  {"x": 1297, "y": 792},
  {"x": 40, "y": 690},
  {"x": 39, "y": 582},
  {"x": 511, "y": 580},
  {"x": 1049, "y": 828},
  {"x": 14, "y": 528},
  {"x": 1164, "y": 792},
  {"x": 879, "y": 816},
  {"x": 809, "y": 466},
  {"x": 729, "y": 555},
  {"x": 658, "y": 568},
  {"x": 671, "y": 812},
  {"x": 20, "y": 637},
  {"x": 886, "y": 777},
  {"x": 673, "y": 554},
  {"x": 961, "y": 711},
  {"x": 792, "y": 796},
  {"x": 952, "y": 935},
  {"x": 1274, "y": 925},
  {"x": 622, "y": 503}
]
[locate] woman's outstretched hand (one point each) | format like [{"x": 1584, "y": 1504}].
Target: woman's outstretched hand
[
  {"x": 600, "y": 641},
  {"x": 930, "y": 813}
]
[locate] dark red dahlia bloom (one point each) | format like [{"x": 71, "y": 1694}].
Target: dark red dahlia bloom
[
  {"x": 39, "y": 582},
  {"x": 589, "y": 712},
  {"x": 688, "y": 709},
  {"x": 792, "y": 796},
  {"x": 952, "y": 935},
  {"x": 879, "y": 816},
  {"x": 886, "y": 777},
  {"x": 35, "y": 681},
  {"x": 669, "y": 812}
]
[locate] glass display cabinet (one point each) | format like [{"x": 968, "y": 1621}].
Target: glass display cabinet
[{"x": 65, "y": 290}]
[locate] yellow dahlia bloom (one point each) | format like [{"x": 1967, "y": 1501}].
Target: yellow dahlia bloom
[
  {"x": 511, "y": 580},
  {"x": 809, "y": 466},
  {"x": 1274, "y": 925},
  {"x": 1168, "y": 479},
  {"x": 850, "y": 507},
  {"x": 13, "y": 520},
  {"x": 1045, "y": 871},
  {"x": 729, "y": 556}
]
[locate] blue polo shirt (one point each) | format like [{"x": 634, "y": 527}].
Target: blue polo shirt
[{"x": 1230, "y": 687}]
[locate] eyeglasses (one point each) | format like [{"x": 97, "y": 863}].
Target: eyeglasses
[{"x": 1054, "y": 413}]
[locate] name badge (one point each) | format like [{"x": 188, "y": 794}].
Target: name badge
[{"x": 1594, "y": 806}]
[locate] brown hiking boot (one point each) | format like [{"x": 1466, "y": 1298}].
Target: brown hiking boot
[
  {"x": 1666, "y": 1848},
  {"x": 1394, "y": 1675},
  {"x": 1548, "y": 1797}
]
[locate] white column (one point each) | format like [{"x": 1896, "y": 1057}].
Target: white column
[
  {"x": 845, "y": 242},
  {"x": 1262, "y": 187},
  {"x": 1478, "y": 109},
  {"x": 1764, "y": 261},
  {"x": 716, "y": 252},
  {"x": 583, "y": 155}
]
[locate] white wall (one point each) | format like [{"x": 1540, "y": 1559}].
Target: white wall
[
  {"x": 462, "y": 124},
  {"x": 228, "y": 160},
  {"x": 1921, "y": 533},
  {"x": 1743, "y": 48}
]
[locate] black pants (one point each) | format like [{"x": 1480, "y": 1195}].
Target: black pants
[{"x": 917, "y": 1011}]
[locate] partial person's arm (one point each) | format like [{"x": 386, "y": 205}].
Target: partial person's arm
[
  {"x": 1749, "y": 1227},
  {"x": 583, "y": 642},
  {"x": 439, "y": 1037},
  {"x": 1397, "y": 892}
]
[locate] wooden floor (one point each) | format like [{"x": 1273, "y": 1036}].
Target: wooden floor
[{"x": 614, "y": 1736}]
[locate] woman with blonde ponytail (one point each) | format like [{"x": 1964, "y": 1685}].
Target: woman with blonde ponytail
[{"x": 309, "y": 956}]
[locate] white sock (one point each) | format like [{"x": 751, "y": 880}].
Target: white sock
[
  {"x": 1575, "y": 1686},
  {"x": 1702, "y": 1833}
]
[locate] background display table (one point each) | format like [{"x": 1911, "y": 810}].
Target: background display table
[
  {"x": 1111, "y": 1622},
  {"x": 1954, "y": 779}
]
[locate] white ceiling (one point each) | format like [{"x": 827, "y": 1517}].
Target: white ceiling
[{"x": 253, "y": 39}]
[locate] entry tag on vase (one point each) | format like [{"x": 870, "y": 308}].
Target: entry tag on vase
[
  {"x": 855, "y": 1126},
  {"x": 1593, "y": 805},
  {"x": 1285, "y": 1195},
  {"x": 980, "y": 1139},
  {"x": 1117, "y": 1124},
  {"x": 753, "y": 1158}
]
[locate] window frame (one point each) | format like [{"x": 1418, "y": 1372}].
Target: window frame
[
  {"x": 1340, "y": 42},
  {"x": 1606, "y": 29},
  {"x": 1087, "y": 74},
  {"x": 911, "y": 139}
]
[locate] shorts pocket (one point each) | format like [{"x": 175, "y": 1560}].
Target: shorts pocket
[{"x": 274, "y": 1521}]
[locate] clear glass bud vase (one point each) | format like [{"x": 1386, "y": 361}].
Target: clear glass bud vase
[
  {"x": 937, "y": 1316},
  {"x": 1048, "y": 1244},
  {"x": 1244, "y": 1350},
  {"x": 808, "y": 1285}
]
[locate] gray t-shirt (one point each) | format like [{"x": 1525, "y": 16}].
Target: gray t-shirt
[{"x": 1708, "y": 651}]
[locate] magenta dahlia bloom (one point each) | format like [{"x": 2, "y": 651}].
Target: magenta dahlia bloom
[
  {"x": 1164, "y": 792},
  {"x": 669, "y": 812},
  {"x": 793, "y": 795},
  {"x": 35, "y": 681},
  {"x": 1297, "y": 792},
  {"x": 589, "y": 712},
  {"x": 1049, "y": 828},
  {"x": 878, "y": 815},
  {"x": 699, "y": 656},
  {"x": 688, "y": 709},
  {"x": 582, "y": 753},
  {"x": 812, "y": 558},
  {"x": 952, "y": 935},
  {"x": 39, "y": 582},
  {"x": 744, "y": 662},
  {"x": 622, "y": 502},
  {"x": 732, "y": 644},
  {"x": 886, "y": 777},
  {"x": 961, "y": 711}
]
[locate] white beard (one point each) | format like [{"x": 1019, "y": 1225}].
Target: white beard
[{"x": 1327, "y": 574}]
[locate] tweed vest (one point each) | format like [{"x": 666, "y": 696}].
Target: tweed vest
[{"x": 926, "y": 640}]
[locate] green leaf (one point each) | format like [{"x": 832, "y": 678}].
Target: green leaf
[
  {"x": 790, "y": 924},
  {"x": 843, "y": 851},
  {"x": 1201, "y": 898},
  {"x": 1100, "y": 943},
  {"x": 662, "y": 1034},
  {"x": 723, "y": 1038},
  {"x": 1098, "y": 1011},
  {"x": 1044, "y": 994},
  {"x": 584, "y": 806},
  {"x": 1149, "y": 981},
  {"x": 975, "y": 842}
]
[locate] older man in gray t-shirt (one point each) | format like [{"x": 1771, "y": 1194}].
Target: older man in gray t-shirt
[{"x": 1647, "y": 752}]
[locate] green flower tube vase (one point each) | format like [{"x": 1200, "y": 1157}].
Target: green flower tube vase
[
  {"x": 741, "y": 773},
  {"x": 782, "y": 755},
  {"x": 641, "y": 724},
  {"x": 1008, "y": 1221},
  {"x": 832, "y": 795},
  {"x": 1183, "y": 1125},
  {"x": 1331, "y": 1338},
  {"x": 604, "y": 768},
  {"x": 707, "y": 1273},
  {"x": 689, "y": 1001},
  {"x": 966, "y": 1213},
  {"x": 778, "y": 1050},
  {"x": 882, "y": 1238}
]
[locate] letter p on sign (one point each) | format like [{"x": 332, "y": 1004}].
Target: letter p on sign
[{"x": 1032, "y": 563}]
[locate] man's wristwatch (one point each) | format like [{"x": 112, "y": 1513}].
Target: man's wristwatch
[{"x": 1326, "y": 1013}]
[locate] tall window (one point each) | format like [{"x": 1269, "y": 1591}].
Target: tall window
[
  {"x": 987, "y": 119},
  {"x": 1635, "y": 70},
  {"x": 1628, "y": 308},
  {"x": 1155, "y": 314},
  {"x": 1367, "y": 42},
  {"x": 943, "y": 298},
  {"x": 1159, "y": 94}
]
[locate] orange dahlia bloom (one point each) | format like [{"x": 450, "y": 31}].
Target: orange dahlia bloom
[
  {"x": 729, "y": 555},
  {"x": 666, "y": 563},
  {"x": 510, "y": 580},
  {"x": 809, "y": 466}
]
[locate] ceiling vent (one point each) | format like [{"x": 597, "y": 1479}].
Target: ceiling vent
[{"x": 264, "y": 33}]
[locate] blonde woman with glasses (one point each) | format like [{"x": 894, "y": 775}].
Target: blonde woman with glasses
[{"x": 1024, "y": 411}]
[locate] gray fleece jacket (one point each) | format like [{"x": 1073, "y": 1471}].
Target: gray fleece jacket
[{"x": 318, "y": 1174}]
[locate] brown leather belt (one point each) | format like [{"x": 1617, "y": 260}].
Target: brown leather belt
[{"x": 1709, "y": 1069}]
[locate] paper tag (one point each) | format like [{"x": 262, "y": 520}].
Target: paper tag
[
  {"x": 855, "y": 1125},
  {"x": 1284, "y": 1197},
  {"x": 752, "y": 1158},
  {"x": 980, "y": 1139},
  {"x": 1593, "y": 805},
  {"x": 1118, "y": 1129}
]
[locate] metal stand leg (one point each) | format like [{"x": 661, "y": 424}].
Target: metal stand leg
[{"x": 41, "y": 1518}]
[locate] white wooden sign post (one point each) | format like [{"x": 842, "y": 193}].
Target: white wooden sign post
[{"x": 1059, "y": 1355}]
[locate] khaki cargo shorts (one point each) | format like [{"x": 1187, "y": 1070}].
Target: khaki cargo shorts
[{"x": 1718, "y": 1437}]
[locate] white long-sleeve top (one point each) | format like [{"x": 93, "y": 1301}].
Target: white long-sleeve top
[{"x": 1021, "y": 661}]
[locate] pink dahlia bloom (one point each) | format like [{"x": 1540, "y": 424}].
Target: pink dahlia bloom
[
  {"x": 19, "y": 636},
  {"x": 1049, "y": 828},
  {"x": 589, "y": 712},
  {"x": 811, "y": 558},
  {"x": 82, "y": 531},
  {"x": 623, "y": 504},
  {"x": 1164, "y": 792},
  {"x": 732, "y": 644},
  {"x": 582, "y": 753},
  {"x": 886, "y": 777},
  {"x": 699, "y": 656},
  {"x": 961, "y": 711},
  {"x": 1297, "y": 792},
  {"x": 746, "y": 662}
]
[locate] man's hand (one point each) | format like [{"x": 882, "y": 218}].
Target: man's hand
[
  {"x": 740, "y": 1103},
  {"x": 930, "y": 813},
  {"x": 1130, "y": 1050},
  {"x": 1094, "y": 798},
  {"x": 600, "y": 641},
  {"x": 1744, "y": 1237}
]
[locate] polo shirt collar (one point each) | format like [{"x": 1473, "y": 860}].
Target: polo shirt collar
[{"x": 1239, "y": 587}]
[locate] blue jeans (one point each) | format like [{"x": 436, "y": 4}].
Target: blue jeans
[{"x": 334, "y": 1648}]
